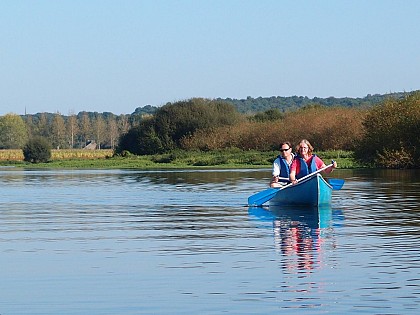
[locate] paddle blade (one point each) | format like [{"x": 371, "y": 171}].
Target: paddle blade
[
  {"x": 336, "y": 183},
  {"x": 263, "y": 196}
]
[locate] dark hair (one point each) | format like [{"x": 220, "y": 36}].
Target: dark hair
[{"x": 286, "y": 142}]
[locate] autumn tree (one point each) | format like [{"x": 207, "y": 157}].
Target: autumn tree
[
  {"x": 85, "y": 129},
  {"x": 99, "y": 129},
  {"x": 123, "y": 123},
  {"x": 112, "y": 131},
  {"x": 58, "y": 131},
  {"x": 72, "y": 129}
]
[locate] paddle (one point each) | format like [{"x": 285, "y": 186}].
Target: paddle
[
  {"x": 336, "y": 183},
  {"x": 263, "y": 196}
]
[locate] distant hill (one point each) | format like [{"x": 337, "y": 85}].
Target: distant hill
[
  {"x": 262, "y": 104},
  {"x": 252, "y": 105}
]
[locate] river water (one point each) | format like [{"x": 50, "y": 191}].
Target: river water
[{"x": 184, "y": 242}]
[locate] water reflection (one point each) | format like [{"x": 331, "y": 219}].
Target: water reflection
[
  {"x": 301, "y": 235},
  {"x": 181, "y": 242}
]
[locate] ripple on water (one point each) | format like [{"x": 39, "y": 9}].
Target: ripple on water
[{"x": 103, "y": 242}]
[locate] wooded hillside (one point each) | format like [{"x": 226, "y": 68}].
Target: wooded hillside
[{"x": 252, "y": 105}]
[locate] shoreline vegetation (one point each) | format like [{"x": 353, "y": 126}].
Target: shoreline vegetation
[
  {"x": 210, "y": 133},
  {"x": 105, "y": 159}
]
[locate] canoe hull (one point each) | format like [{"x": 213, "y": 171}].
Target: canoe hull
[{"x": 313, "y": 191}]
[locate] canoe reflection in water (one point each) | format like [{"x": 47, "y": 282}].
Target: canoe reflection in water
[{"x": 301, "y": 235}]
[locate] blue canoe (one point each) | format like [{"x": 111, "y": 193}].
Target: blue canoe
[{"x": 313, "y": 191}]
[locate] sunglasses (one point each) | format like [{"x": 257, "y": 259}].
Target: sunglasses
[{"x": 282, "y": 150}]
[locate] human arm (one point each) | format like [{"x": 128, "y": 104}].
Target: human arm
[
  {"x": 320, "y": 164},
  {"x": 275, "y": 173},
  {"x": 274, "y": 181},
  {"x": 292, "y": 174}
]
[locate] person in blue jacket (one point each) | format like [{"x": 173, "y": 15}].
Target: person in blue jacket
[{"x": 281, "y": 166}]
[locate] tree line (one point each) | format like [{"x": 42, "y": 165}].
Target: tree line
[
  {"x": 384, "y": 135},
  {"x": 105, "y": 129},
  {"x": 64, "y": 132},
  {"x": 252, "y": 105},
  {"x": 292, "y": 103}
]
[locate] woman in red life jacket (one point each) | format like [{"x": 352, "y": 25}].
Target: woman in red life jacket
[{"x": 306, "y": 163}]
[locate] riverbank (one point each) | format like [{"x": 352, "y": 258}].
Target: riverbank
[{"x": 103, "y": 159}]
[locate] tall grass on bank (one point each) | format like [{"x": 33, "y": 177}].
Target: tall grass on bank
[
  {"x": 326, "y": 128},
  {"x": 17, "y": 154},
  {"x": 233, "y": 158}
]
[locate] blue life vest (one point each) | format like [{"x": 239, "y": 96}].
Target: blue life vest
[
  {"x": 284, "y": 169},
  {"x": 304, "y": 169}
]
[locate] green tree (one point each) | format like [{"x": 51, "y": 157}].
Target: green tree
[
  {"x": 43, "y": 126},
  {"x": 30, "y": 126},
  {"x": 13, "y": 132},
  {"x": 175, "y": 121}
]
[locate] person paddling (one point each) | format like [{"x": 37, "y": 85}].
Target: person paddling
[
  {"x": 306, "y": 163},
  {"x": 281, "y": 166}
]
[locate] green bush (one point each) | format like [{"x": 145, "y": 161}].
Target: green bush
[
  {"x": 140, "y": 140},
  {"x": 37, "y": 150},
  {"x": 391, "y": 134}
]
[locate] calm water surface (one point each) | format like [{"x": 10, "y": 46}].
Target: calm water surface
[{"x": 183, "y": 242}]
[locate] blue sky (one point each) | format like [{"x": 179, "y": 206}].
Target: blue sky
[{"x": 115, "y": 56}]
